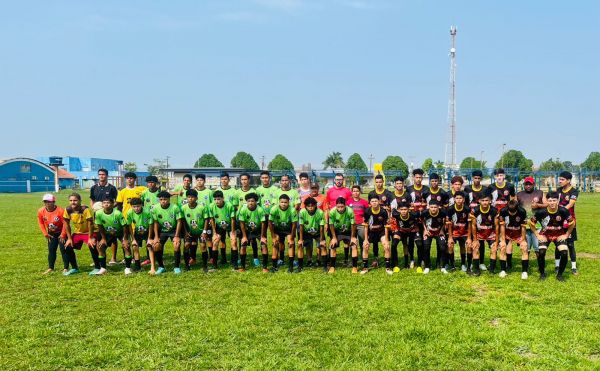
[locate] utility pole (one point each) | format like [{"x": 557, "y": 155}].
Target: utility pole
[
  {"x": 371, "y": 158},
  {"x": 502, "y": 158},
  {"x": 481, "y": 160},
  {"x": 262, "y": 162},
  {"x": 451, "y": 161}
]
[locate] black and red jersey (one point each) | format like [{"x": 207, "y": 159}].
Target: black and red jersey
[
  {"x": 400, "y": 199},
  {"x": 438, "y": 195},
  {"x": 565, "y": 196},
  {"x": 485, "y": 222},
  {"x": 418, "y": 202},
  {"x": 501, "y": 195},
  {"x": 554, "y": 223},
  {"x": 385, "y": 197},
  {"x": 434, "y": 224},
  {"x": 376, "y": 220},
  {"x": 460, "y": 220},
  {"x": 513, "y": 223},
  {"x": 404, "y": 225},
  {"x": 474, "y": 195}
]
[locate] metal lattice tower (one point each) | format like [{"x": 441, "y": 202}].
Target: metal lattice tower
[{"x": 450, "y": 155}]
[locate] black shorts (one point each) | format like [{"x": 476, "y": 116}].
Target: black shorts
[
  {"x": 223, "y": 234},
  {"x": 311, "y": 240},
  {"x": 193, "y": 239},
  {"x": 557, "y": 243},
  {"x": 573, "y": 236},
  {"x": 461, "y": 241},
  {"x": 283, "y": 235},
  {"x": 165, "y": 236},
  {"x": 114, "y": 238},
  {"x": 342, "y": 238},
  {"x": 140, "y": 238},
  {"x": 375, "y": 236}
]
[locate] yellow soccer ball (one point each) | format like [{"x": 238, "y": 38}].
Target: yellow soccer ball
[
  {"x": 419, "y": 270},
  {"x": 396, "y": 269}
]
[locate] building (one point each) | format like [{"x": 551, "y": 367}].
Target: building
[
  {"x": 21, "y": 175},
  {"x": 85, "y": 169}
]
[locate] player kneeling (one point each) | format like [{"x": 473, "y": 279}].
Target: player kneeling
[
  {"x": 140, "y": 223},
  {"x": 196, "y": 228},
  {"x": 557, "y": 225},
  {"x": 167, "y": 226},
  {"x": 282, "y": 224},
  {"x": 111, "y": 225},
  {"x": 252, "y": 219},
  {"x": 513, "y": 227},
  {"x": 311, "y": 222}
]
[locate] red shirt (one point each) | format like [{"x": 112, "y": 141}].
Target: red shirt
[
  {"x": 359, "y": 208},
  {"x": 334, "y": 193},
  {"x": 51, "y": 222}
]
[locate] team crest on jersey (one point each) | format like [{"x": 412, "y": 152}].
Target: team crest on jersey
[
  {"x": 56, "y": 218},
  {"x": 506, "y": 192},
  {"x": 115, "y": 222},
  {"x": 223, "y": 223},
  {"x": 194, "y": 223},
  {"x": 558, "y": 218},
  {"x": 252, "y": 225},
  {"x": 439, "y": 198},
  {"x": 518, "y": 219},
  {"x": 167, "y": 225}
]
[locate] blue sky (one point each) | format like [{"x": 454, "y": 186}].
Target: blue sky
[{"x": 137, "y": 80}]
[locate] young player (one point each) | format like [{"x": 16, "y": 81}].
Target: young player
[
  {"x": 304, "y": 189},
  {"x": 81, "y": 231},
  {"x": 311, "y": 224},
  {"x": 501, "y": 191},
  {"x": 557, "y": 225},
  {"x": 196, "y": 225},
  {"x": 129, "y": 192},
  {"x": 400, "y": 194},
  {"x": 230, "y": 194},
  {"x": 322, "y": 205},
  {"x": 567, "y": 197},
  {"x": 342, "y": 228},
  {"x": 150, "y": 199},
  {"x": 102, "y": 190},
  {"x": 205, "y": 198},
  {"x": 456, "y": 185},
  {"x": 513, "y": 220},
  {"x": 459, "y": 230},
  {"x": 484, "y": 228},
  {"x": 359, "y": 206},
  {"x": 253, "y": 225},
  {"x": 405, "y": 229},
  {"x": 385, "y": 196},
  {"x": 475, "y": 190},
  {"x": 267, "y": 192},
  {"x": 181, "y": 190},
  {"x": 168, "y": 225},
  {"x": 51, "y": 222},
  {"x": 222, "y": 214},
  {"x": 435, "y": 193},
  {"x": 434, "y": 222},
  {"x": 111, "y": 225},
  {"x": 417, "y": 191},
  {"x": 282, "y": 224},
  {"x": 244, "y": 190},
  {"x": 140, "y": 224},
  {"x": 531, "y": 199},
  {"x": 294, "y": 201},
  {"x": 338, "y": 190},
  {"x": 376, "y": 230}
]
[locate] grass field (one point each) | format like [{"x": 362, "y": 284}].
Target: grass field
[{"x": 311, "y": 320}]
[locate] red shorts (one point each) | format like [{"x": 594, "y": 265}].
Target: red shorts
[{"x": 79, "y": 239}]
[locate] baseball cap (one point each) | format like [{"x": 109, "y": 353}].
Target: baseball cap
[
  {"x": 529, "y": 179},
  {"x": 49, "y": 197}
]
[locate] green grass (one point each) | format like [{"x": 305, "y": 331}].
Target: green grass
[{"x": 312, "y": 320}]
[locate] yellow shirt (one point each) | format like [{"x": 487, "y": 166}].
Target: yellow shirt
[
  {"x": 79, "y": 219},
  {"x": 126, "y": 194}
]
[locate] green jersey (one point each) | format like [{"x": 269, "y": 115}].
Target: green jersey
[
  {"x": 181, "y": 195},
  {"x": 166, "y": 218},
  {"x": 292, "y": 194},
  {"x": 112, "y": 223},
  {"x": 222, "y": 215},
  {"x": 311, "y": 223},
  {"x": 150, "y": 199},
  {"x": 194, "y": 218},
  {"x": 342, "y": 222},
  {"x": 241, "y": 196},
  {"x": 283, "y": 219},
  {"x": 140, "y": 222},
  {"x": 230, "y": 195},
  {"x": 268, "y": 197},
  {"x": 204, "y": 197},
  {"x": 252, "y": 219}
]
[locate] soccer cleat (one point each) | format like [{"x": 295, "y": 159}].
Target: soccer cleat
[
  {"x": 524, "y": 276},
  {"x": 265, "y": 270},
  {"x": 574, "y": 271},
  {"x": 241, "y": 270},
  {"x": 396, "y": 269},
  {"x": 210, "y": 270},
  {"x": 389, "y": 271},
  {"x": 463, "y": 268},
  {"x": 71, "y": 271},
  {"x": 256, "y": 263},
  {"x": 419, "y": 270},
  {"x": 556, "y": 269},
  {"x": 205, "y": 269},
  {"x": 543, "y": 277},
  {"x": 295, "y": 263},
  {"x": 177, "y": 270},
  {"x": 444, "y": 270},
  {"x": 476, "y": 273},
  {"x": 160, "y": 270},
  {"x": 146, "y": 262},
  {"x": 412, "y": 264},
  {"x": 560, "y": 277},
  {"x": 502, "y": 274},
  {"x": 273, "y": 270},
  {"x": 94, "y": 272},
  {"x": 300, "y": 270},
  {"x": 128, "y": 271},
  {"x": 426, "y": 271},
  {"x": 112, "y": 262},
  {"x": 331, "y": 270},
  {"x": 354, "y": 270},
  {"x": 279, "y": 263},
  {"x": 482, "y": 267},
  {"x": 364, "y": 271},
  {"x": 101, "y": 272},
  {"x": 375, "y": 264},
  {"x": 469, "y": 272}
]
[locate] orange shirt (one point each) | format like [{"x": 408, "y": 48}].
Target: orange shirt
[
  {"x": 321, "y": 201},
  {"x": 51, "y": 222}
]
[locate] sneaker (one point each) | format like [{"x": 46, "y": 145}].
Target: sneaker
[
  {"x": 482, "y": 267},
  {"x": 128, "y": 271},
  {"x": 574, "y": 271},
  {"x": 210, "y": 270},
  {"x": 502, "y": 274},
  {"x": 279, "y": 263},
  {"x": 65, "y": 271},
  {"x": 94, "y": 272},
  {"x": 92, "y": 264},
  {"x": 112, "y": 262},
  {"x": 177, "y": 270},
  {"x": 300, "y": 270},
  {"x": 241, "y": 270},
  {"x": 542, "y": 276},
  {"x": 469, "y": 272},
  {"x": 354, "y": 270},
  {"x": 560, "y": 277},
  {"x": 256, "y": 263},
  {"x": 160, "y": 270},
  {"x": 375, "y": 264},
  {"x": 205, "y": 269},
  {"x": 273, "y": 270},
  {"x": 146, "y": 262},
  {"x": 295, "y": 263},
  {"x": 412, "y": 264},
  {"x": 265, "y": 270},
  {"x": 364, "y": 271},
  {"x": 101, "y": 271},
  {"x": 310, "y": 264},
  {"x": 463, "y": 268},
  {"x": 556, "y": 269},
  {"x": 71, "y": 271},
  {"x": 426, "y": 271},
  {"x": 476, "y": 273},
  {"x": 419, "y": 270},
  {"x": 444, "y": 270},
  {"x": 524, "y": 276},
  {"x": 331, "y": 270},
  {"x": 389, "y": 271}
]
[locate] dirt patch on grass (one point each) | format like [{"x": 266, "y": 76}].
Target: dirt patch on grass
[
  {"x": 524, "y": 351},
  {"x": 588, "y": 255},
  {"x": 495, "y": 322}
]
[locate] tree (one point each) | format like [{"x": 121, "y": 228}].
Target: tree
[
  {"x": 156, "y": 166},
  {"x": 244, "y": 160},
  {"x": 355, "y": 162},
  {"x": 208, "y": 160},
  {"x": 427, "y": 165},
  {"x": 551, "y": 165},
  {"x": 514, "y": 159},
  {"x": 130, "y": 166},
  {"x": 280, "y": 162},
  {"x": 592, "y": 162},
  {"x": 439, "y": 165},
  {"x": 471, "y": 163},
  {"x": 395, "y": 163},
  {"x": 334, "y": 160},
  {"x": 568, "y": 165}
]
